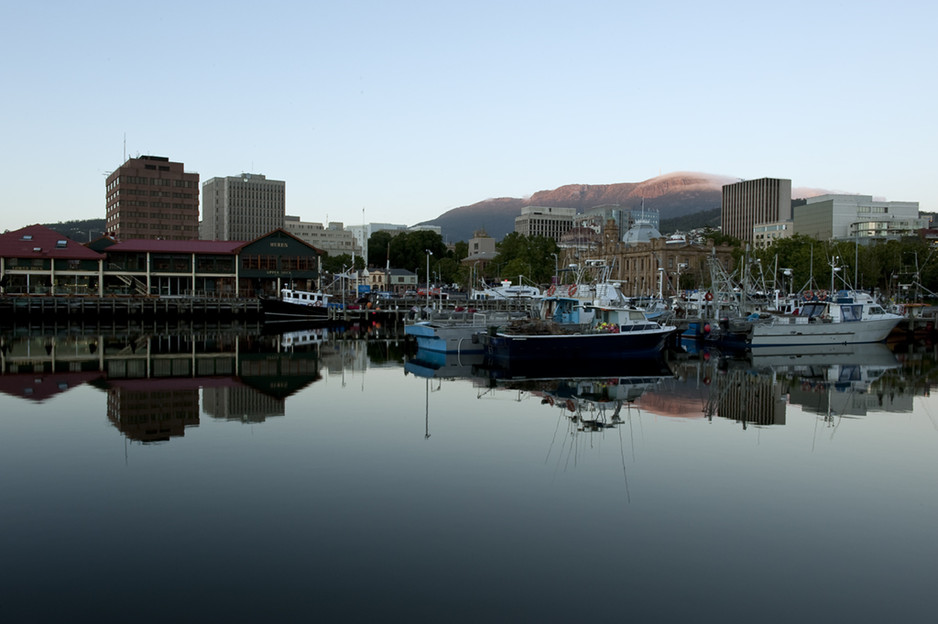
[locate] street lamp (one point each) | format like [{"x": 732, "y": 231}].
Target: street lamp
[{"x": 429, "y": 253}]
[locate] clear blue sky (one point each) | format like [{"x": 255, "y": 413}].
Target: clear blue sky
[{"x": 408, "y": 109}]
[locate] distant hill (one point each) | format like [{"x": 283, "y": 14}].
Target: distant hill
[
  {"x": 693, "y": 221},
  {"x": 79, "y": 231},
  {"x": 673, "y": 195}
]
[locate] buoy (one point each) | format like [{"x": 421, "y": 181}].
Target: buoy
[
  {"x": 551, "y": 290},
  {"x": 572, "y": 290},
  {"x": 709, "y": 296}
]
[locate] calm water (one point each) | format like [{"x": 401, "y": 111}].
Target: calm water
[{"x": 175, "y": 474}]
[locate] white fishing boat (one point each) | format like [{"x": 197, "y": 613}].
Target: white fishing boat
[{"x": 847, "y": 318}]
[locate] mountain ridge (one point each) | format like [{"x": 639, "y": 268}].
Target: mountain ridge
[
  {"x": 676, "y": 196},
  {"x": 672, "y": 195}
]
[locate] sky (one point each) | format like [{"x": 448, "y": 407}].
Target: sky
[{"x": 395, "y": 112}]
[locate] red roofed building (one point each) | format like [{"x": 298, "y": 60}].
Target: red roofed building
[{"x": 38, "y": 260}]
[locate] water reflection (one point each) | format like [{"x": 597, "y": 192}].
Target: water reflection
[
  {"x": 413, "y": 468},
  {"x": 160, "y": 380},
  {"x": 754, "y": 389},
  {"x": 154, "y": 379}
]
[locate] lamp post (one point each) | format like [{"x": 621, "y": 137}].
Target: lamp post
[
  {"x": 556, "y": 264},
  {"x": 429, "y": 253}
]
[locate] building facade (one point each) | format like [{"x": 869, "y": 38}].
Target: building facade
[
  {"x": 764, "y": 234},
  {"x": 644, "y": 262},
  {"x": 334, "y": 239},
  {"x": 858, "y": 217},
  {"x": 621, "y": 218},
  {"x": 152, "y": 198},
  {"x": 36, "y": 260},
  {"x": 751, "y": 202},
  {"x": 242, "y": 207},
  {"x": 546, "y": 221},
  {"x": 396, "y": 281}
]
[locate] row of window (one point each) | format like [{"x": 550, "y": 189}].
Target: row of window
[
  {"x": 128, "y": 179},
  {"x": 283, "y": 263}
]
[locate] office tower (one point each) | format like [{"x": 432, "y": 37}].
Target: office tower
[
  {"x": 151, "y": 197},
  {"x": 242, "y": 207},
  {"x": 751, "y": 202}
]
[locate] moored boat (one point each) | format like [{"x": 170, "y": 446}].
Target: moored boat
[
  {"x": 296, "y": 305},
  {"x": 614, "y": 334},
  {"x": 847, "y": 318},
  {"x": 455, "y": 335}
]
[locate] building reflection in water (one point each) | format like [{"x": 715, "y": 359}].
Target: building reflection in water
[{"x": 154, "y": 381}]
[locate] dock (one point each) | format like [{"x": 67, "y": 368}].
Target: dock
[{"x": 26, "y": 308}]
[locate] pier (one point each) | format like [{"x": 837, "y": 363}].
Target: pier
[{"x": 26, "y": 308}]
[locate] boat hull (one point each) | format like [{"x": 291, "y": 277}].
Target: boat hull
[
  {"x": 283, "y": 310},
  {"x": 445, "y": 339},
  {"x": 505, "y": 349},
  {"x": 800, "y": 334}
]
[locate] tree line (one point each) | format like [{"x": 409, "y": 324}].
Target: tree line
[{"x": 531, "y": 257}]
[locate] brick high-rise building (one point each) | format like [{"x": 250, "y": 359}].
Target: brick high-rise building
[{"x": 151, "y": 197}]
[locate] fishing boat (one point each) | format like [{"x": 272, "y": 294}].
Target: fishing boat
[
  {"x": 846, "y": 318},
  {"x": 615, "y": 334},
  {"x": 455, "y": 335},
  {"x": 296, "y": 305},
  {"x": 504, "y": 292}
]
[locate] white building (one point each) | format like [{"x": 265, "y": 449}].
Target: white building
[
  {"x": 551, "y": 222},
  {"x": 334, "y": 239},
  {"x": 857, "y": 216},
  {"x": 242, "y": 208},
  {"x": 764, "y": 234}
]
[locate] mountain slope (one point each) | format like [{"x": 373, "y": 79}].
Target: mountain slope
[{"x": 673, "y": 195}]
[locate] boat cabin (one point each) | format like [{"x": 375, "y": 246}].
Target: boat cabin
[
  {"x": 302, "y": 297},
  {"x": 617, "y": 320}
]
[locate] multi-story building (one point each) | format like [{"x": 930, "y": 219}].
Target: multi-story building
[
  {"x": 764, "y": 234},
  {"x": 622, "y": 218},
  {"x": 644, "y": 262},
  {"x": 751, "y": 202},
  {"x": 857, "y": 217},
  {"x": 547, "y": 221},
  {"x": 152, "y": 198},
  {"x": 334, "y": 239},
  {"x": 242, "y": 207},
  {"x": 397, "y": 281}
]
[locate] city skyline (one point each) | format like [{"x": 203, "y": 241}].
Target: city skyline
[{"x": 399, "y": 112}]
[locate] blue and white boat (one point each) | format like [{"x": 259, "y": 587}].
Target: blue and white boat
[{"x": 455, "y": 335}]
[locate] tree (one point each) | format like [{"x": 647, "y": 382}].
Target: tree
[
  {"x": 528, "y": 256},
  {"x": 342, "y": 262},
  {"x": 379, "y": 245}
]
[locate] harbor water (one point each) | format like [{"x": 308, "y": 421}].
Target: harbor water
[{"x": 167, "y": 473}]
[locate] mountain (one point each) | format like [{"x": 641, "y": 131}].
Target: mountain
[{"x": 673, "y": 195}]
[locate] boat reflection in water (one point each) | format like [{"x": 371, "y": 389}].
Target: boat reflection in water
[
  {"x": 158, "y": 384},
  {"x": 755, "y": 389},
  {"x": 440, "y": 365},
  {"x": 594, "y": 402}
]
